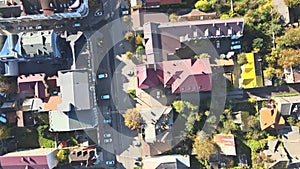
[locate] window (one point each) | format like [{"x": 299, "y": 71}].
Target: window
[
  {"x": 218, "y": 44},
  {"x": 182, "y": 88}
]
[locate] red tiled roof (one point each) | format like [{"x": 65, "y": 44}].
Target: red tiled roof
[
  {"x": 188, "y": 75},
  {"x": 21, "y": 162},
  {"x": 226, "y": 143}
]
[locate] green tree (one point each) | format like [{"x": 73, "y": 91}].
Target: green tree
[
  {"x": 179, "y": 106},
  {"x": 257, "y": 43},
  {"x": 5, "y": 132},
  {"x": 46, "y": 139},
  {"x": 290, "y": 120},
  {"x": 241, "y": 59},
  {"x": 129, "y": 55},
  {"x": 140, "y": 50},
  {"x": 202, "y": 55},
  {"x": 289, "y": 57},
  {"x": 292, "y": 3},
  {"x": 173, "y": 17},
  {"x": 139, "y": 40},
  {"x": 204, "y": 148},
  {"x": 203, "y": 5},
  {"x": 291, "y": 38},
  {"x": 129, "y": 36},
  {"x": 62, "y": 155},
  {"x": 132, "y": 119}
]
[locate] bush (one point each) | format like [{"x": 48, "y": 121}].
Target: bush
[
  {"x": 132, "y": 94},
  {"x": 242, "y": 59},
  {"x": 129, "y": 55},
  {"x": 62, "y": 155},
  {"x": 139, "y": 40},
  {"x": 46, "y": 139}
]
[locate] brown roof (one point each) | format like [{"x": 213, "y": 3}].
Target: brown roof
[
  {"x": 51, "y": 104},
  {"x": 140, "y": 17},
  {"x": 161, "y": 2},
  {"x": 270, "y": 118},
  {"x": 196, "y": 14}
]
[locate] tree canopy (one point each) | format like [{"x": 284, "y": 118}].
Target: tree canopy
[
  {"x": 292, "y": 3},
  {"x": 4, "y": 132},
  {"x": 132, "y": 119},
  {"x": 203, "y": 5},
  {"x": 204, "y": 148},
  {"x": 62, "y": 155}
]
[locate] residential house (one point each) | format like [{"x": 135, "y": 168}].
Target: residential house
[
  {"x": 196, "y": 14},
  {"x": 82, "y": 157},
  {"x": 10, "y": 8},
  {"x": 251, "y": 75},
  {"x": 157, "y": 123},
  {"x": 167, "y": 161},
  {"x": 270, "y": 118},
  {"x": 140, "y": 17},
  {"x": 157, "y": 3},
  {"x": 32, "y": 86},
  {"x": 19, "y": 48},
  {"x": 226, "y": 144},
  {"x": 74, "y": 113},
  {"x": 181, "y": 76},
  {"x": 41, "y": 158},
  {"x": 170, "y": 40},
  {"x": 13, "y": 10},
  {"x": 288, "y": 105},
  {"x": 287, "y": 15},
  {"x": 289, "y": 152}
]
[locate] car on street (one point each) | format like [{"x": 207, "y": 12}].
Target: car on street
[
  {"x": 105, "y": 97},
  {"x": 124, "y": 10},
  {"x": 138, "y": 163},
  {"x": 110, "y": 163},
  {"x": 107, "y": 135},
  {"x": 76, "y": 25},
  {"x": 107, "y": 121},
  {"x": 138, "y": 158},
  {"x": 102, "y": 76},
  {"x": 20, "y": 28},
  {"x": 38, "y": 27},
  {"x": 107, "y": 140},
  {"x": 59, "y": 26},
  {"x": 98, "y": 13}
]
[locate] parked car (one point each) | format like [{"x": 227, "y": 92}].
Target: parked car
[
  {"x": 38, "y": 27},
  {"x": 20, "y": 28},
  {"x": 138, "y": 163},
  {"x": 76, "y": 25},
  {"x": 59, "y": 26},
  {"x": 124, "y": 10},
  {"x": 107, "y": 135},
  {"x": 29, "y": 27},
  {"x": 107, "y": 121},
  {"x": 105, "y": 97},
  {"x": 98, "y": 13},
  {"x": 107, "y": 140},
  {"x": 110, "y": 163},
  {"x": 102, "y": 75},
  {"x": 138, "y": 158}
]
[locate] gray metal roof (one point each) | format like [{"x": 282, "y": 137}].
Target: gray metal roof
[{"x": 74, "y": 86}]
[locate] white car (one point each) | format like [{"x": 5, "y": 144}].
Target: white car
[
  {"x": 108, "y": 140},
  {"x": 107, "y": 135}
]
